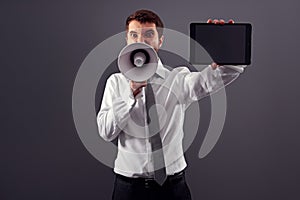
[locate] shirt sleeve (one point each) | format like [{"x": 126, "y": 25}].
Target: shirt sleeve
[
  {"x": 114, "y": 111},
  {"x": 197, "y": 85}
]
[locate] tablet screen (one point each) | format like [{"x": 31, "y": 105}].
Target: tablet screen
[{"x": 228, "y": 44}]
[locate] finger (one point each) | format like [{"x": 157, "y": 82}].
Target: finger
[
  {"x": 230, "y": 21},
  {"x": 214, "y": 65},
  {"x": 215, "y": 21},
  {"x": 134, "y": 85},
  {"x": 141, "y": 86},
  {"x": 137, "y": 91},
  {"x": 222, "y": 21},
  {"x": 209, "y": 21}
]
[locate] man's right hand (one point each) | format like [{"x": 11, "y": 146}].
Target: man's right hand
[{"x": 136, "y": 87}]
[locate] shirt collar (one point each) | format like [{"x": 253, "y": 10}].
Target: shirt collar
[{"x": 161, "y": 70}]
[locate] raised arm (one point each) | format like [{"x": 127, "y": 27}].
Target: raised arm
[{"x": 197, "y": 85}]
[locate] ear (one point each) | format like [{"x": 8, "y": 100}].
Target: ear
[{"x": 161, "y": 40}]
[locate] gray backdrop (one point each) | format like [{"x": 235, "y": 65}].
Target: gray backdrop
[{"x": 43, "y": 44}]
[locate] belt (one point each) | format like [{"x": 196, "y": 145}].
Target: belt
[{"x": 150, "y": 181}]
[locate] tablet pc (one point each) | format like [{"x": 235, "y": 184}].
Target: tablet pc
[{"x": 227, "y": 44}]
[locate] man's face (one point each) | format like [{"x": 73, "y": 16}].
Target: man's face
[{"x": 145, "y": 33}]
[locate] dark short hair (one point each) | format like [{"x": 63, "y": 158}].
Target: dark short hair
[{"x": 144, "y": 16}]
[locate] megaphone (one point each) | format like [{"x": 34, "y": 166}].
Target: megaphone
[{"x": 138, "y": 61}]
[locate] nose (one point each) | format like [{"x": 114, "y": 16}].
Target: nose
[{"x": 141, "y": 39}]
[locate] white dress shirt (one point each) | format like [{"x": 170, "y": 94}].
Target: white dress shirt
[{"x": 123, "y": 116}]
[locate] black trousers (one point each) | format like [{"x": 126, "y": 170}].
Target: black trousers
[{"x": 174, "y": 188}]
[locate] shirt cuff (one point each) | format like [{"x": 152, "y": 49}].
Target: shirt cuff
[{"x": 238, "y": 68}]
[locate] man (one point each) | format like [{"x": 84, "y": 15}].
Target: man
[{"x": 124, "y": 106}]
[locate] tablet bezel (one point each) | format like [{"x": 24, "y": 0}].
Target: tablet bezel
[{"x": 248, "y": 41}]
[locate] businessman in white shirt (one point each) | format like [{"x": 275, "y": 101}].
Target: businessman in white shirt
[{"x": 123, "y": 107}]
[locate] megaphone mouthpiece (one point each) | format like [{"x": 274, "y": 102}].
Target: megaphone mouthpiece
[{"x": 139, "y": 57}]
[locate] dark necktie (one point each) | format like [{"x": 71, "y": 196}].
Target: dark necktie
[{"x": 154, "y": 137}]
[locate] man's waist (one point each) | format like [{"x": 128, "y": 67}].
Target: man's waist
[
  {"x": 138, "y": 166},
  {"x": 149, "y": 180}
]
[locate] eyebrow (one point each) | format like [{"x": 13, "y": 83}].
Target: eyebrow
[
  {"x": 151, "y": 30},
  {"x": 132, "y": 32}
]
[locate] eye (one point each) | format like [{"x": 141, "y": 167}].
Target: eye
[
  {"x": 133, "y": 35},
  {"x": 149, "y": 34}
]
